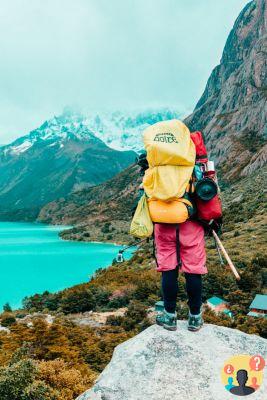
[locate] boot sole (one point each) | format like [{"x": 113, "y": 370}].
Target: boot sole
[
  {"x": 170, "y": 328},
  {"x": 194, "y": 329}
]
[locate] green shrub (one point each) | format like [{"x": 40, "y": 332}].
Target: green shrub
[
  {"x": 114, "y": 320},
  {"x": 118, "y": 302},
  {"x": 20, "y": 315},
  {"x": 145, "y": 289},
  {"x": 8, "y": 320},
  {"x": 7, "y": 307},
  {"x": 78, "y": 301},
  {"x": 15, "y": 379},
  {"x": 38, "y": 302},
  {"x": 134, "y": 315},
  {"x": 105, "y": 228}
]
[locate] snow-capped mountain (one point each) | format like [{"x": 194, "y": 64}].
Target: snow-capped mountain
[
  {"x": 68, "y": 153},
  {"x": 65, "y": 127},
  {"x": 123, "y": 131},
  {"x": 118, "y": 130},
  {"x": 61, "y": 156}
]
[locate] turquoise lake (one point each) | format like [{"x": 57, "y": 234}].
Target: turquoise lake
[{"x": 33, "y": 259}]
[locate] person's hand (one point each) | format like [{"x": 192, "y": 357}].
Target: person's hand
[
  {"x": 213, "y": 225},
  {"x": 142, "y": 162}
]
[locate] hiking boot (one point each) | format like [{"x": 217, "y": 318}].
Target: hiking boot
[
  {"x": 167, "y": 320},
  {"x": 195, "y": 322}
]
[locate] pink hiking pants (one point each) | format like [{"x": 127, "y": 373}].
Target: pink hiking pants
[{"x": 192, "y": 247}]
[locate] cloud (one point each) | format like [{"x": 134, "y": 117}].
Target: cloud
[{"x": 105, "y": 54}]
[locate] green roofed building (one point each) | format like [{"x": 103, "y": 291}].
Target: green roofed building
[
  {"x": 219, "y": 305},
  {"x": 228, "y": 313},
  {"x": 215, "y": 301},
  {"x": 258, "y": 307}
]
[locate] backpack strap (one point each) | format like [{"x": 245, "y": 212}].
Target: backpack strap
[
  {"x": 179, "y": 262},
  {"x": 154, "y": 247}
]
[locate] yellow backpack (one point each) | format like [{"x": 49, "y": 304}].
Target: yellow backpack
[{"x": 171, "y": 157}]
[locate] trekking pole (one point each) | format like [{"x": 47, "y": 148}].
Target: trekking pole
[
  {"x": 218, "y": 251},
  {"x": 228, "y": 259},
  {"x": 133, "y": 244},
  {"x": 120, "y": 257}
]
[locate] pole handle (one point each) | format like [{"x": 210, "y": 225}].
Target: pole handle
[
  {"x": 228, "y": 259},
  {"x": 133, "y": 244}
]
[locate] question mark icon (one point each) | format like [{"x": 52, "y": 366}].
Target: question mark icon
[
  {"x": 229, "y": 369},
  {"x": 257, "y": 362}
]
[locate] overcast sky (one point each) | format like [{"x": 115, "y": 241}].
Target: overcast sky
[{"x": 105, "y": 55}]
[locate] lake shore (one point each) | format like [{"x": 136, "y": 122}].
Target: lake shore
[
  {"x": 40, "y": 260},
  {"x": 115, "y": 232}
]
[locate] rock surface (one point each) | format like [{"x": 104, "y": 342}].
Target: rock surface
[
  {"x": 95, "y": 319},
  {"x": 182, "y": 365},
  {"x": 232, "y": 111}
]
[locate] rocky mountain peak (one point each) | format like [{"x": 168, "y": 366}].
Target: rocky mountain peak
[
  {"x": 62, "y": 156},
  {"x": 232, "y": 112},
  {"x": 67, "y": 126},
  {"x": 248, "y": 28},
  {"x": 118, "y": 130}
]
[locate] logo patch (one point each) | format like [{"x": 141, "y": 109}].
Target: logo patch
[{"x": 165, "y": 138}]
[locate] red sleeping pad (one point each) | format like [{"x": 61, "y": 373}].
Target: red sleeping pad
[
  {"x": 208, "y": 210},
  {"x": 211, "y": 209},
  {"x": 201, "y": 152}
]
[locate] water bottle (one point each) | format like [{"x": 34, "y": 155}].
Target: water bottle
[
  {"x": 198, "y": 172},
  {"x": 210, "y": 170}
]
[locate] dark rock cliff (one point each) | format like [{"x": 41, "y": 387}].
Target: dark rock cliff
[{"x": 232, "y": 112}]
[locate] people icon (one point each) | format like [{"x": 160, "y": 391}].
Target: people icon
[
  {"x": 242, "y": 374},
  {"x": 242, "y": 389},
  {"x": 230, "y": 383},
  {"x": 254, "y": 383}
]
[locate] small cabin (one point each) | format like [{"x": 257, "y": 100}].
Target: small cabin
[
  {"x": 219, "y": 305},
  {"x": 258, "y": 307}
]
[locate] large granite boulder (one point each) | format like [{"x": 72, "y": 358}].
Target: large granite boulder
[{"x": 182, "y": 365}]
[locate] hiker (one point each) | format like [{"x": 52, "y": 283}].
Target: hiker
[
  {"x": 181, "y": 247},
  {"x": 179, "y": 236}
]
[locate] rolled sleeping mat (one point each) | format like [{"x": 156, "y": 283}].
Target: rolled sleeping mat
[
  {"x": 169, "y": 212},
  {"x": 206, "y": 189}
]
